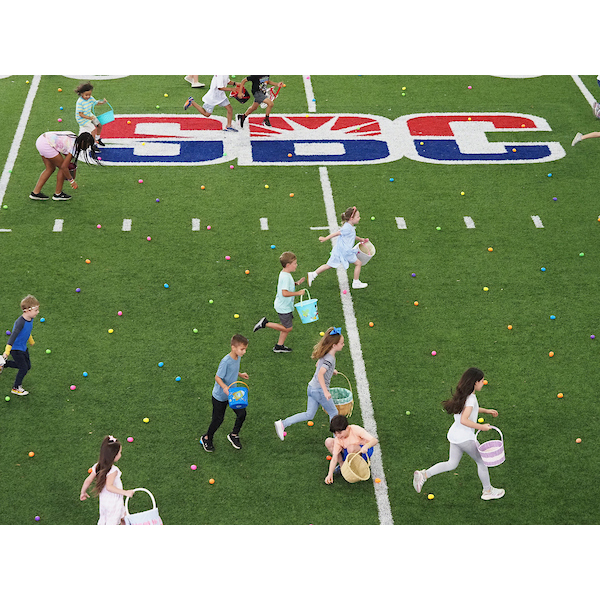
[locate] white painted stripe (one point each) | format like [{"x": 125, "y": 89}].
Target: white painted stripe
[
  {"x": 195, "y": 224},
  {"x": 312, "y": 106},
  {"x": 586, "y": 93},
  {"x": 327, "y": 227},
  {"x": 537, "y": 221},
  {"x": 18, "y": 137},
  {"x": 360, "y": 372},
  {"x": 126, "y": 225},
  {"x": 5, "y": 230},
  {"x": 320, "y": 148},
  {"x": 401, "y": 222},
  {"x": 264, "y": 223},
  {"x": 469, "y": 222},
  {"x": 58, "y": 225}
]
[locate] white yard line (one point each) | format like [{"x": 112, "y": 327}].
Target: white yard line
[
  {"x": 312, "y": 106},
  {"x": 586, "y": 93},
  {"x": 360, "y": 371},
  {"x": 18, "y": 138}
]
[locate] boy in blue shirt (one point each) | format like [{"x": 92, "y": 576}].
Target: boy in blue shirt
[
  {"x": 17, "y": 343},
  {"x": 227, "y": 373},
  {"x": 284, "y": 301}
]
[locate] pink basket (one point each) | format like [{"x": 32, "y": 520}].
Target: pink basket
[{"x": 492, "y": 452}]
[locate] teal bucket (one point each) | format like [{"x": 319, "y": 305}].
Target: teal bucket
[
  {"x": 307, "y": 309},
  {"x": 106, "y": 117},
  {"x": 238, "y": 396}
]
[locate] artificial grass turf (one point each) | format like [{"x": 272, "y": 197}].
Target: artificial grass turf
[{"x": 278, "y": 482}]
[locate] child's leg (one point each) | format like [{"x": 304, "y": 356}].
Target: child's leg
[
  {"x": 50, "y": 165},
  {"x": 313, "y": 274},
  {"x": 357, "y": 266},
  {"x": 218, "y": 414},
  {"x": 240, "y": 417},
  {"x": 269, "y": 104},
  {"x": 311, "y": 409},
  {"x": 594, "y": 134},
  {"x": 229, "y": 114},
  {"x": 251, "y": 109},
  {"x": 98, "y": 132},
  {"x": 200, "y": 109},
  {"x": 484, "y": 475},
  {"x": 456, "y": 453},
  {"x": 322, "y": 268},
  {"x": 22, "y": 363}
]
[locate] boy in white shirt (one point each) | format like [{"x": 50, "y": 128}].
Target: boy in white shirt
[
  {"x": 215, "y": 97},
  {"x": 284, "y": 301}
]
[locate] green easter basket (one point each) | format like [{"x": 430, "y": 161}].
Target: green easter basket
[{"x": 342, "y": 398}]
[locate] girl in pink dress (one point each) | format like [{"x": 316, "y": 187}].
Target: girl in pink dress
[{"x": 108, "y": 483}]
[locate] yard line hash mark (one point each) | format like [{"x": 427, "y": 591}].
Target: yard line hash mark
[
  {"x": 264, "y": 223},
  {"x": 537, "y": 221},
  {"x": 126, "y": 225},
  {"x": 58, "y": 225},
  {"x": 401, "y": 222},
  {"x": 195, "y": 224},
  {"x": 469, "y": 222}
]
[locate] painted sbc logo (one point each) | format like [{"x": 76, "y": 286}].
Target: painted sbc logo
[{"x": 322, "y": 139}]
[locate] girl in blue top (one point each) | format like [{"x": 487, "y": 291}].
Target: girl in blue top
[
  {"x": 344, "y": 253},
  {"x": 318, "y": 387}
]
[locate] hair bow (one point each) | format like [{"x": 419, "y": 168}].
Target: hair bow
[
  {"x": 112, "y": 438},
  {"x": 335, "y": 330}
]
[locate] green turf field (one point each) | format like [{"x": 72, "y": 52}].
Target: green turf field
[{"x": 270, "y": 482}]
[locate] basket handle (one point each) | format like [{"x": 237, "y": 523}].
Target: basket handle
[
  {"x": 94, "y": 107},
  {"x": 351, "y": 456},
  {"x": 340, "y": 373},
  {"x": 492, "y": 427},
  {"x": 300, "y": 301},
  {"x": 139, "y": 490},
  {"x": 242, "y": 382}
]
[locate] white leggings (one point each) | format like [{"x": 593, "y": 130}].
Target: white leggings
[{"x": 456, "y": 452}]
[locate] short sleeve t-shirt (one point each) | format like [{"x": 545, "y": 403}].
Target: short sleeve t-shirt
[
  {"x": 356, "y": 436},
  {"x": 259, "y": 83},
  {"x": 61, "y": 141},
  {"x": 84, "y": 106},
  {"x": 228, "y": 371},
  {"x": 459, "y": 433},
  {"x": 328, "y": 361},
  {"x": 282, "y": 303},
  {"x": 215, "y": 96}
]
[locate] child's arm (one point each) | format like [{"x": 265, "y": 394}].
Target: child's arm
[
  {"x": 287, "y": 293},
  {"x": 362, "y": 240},
  {"x": 65, "y": 171},
  {"x": 464, "y": 420},
  {"x": 244, "y": 375},
  {"x": 331, "y": 235},
  {"x": 321, "y": 378},
  {"x": 89, "y": 117},
  {"x": 86, "y": 484},
  {"x": 489, "y": 411},
  {"x": 332, "y": 464},
  {"x": 221, "y": 383},
  {"x": 278, "y": 84},
  {"x": 115, "y": 490},
  {"x": 300, "y": 281}
]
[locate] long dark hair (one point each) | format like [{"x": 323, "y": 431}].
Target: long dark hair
[
  {"x": 464, "y": 389},
  {"x": 108, "y": 451},
  {"x": 85, "y": 143}
]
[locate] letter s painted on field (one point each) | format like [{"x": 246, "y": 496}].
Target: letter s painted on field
[{"x": 461, "y": 138}]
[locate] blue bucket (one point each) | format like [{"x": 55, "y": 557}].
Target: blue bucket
[
  {"x": 307, "y": 309},
  {"x": 106, "y": 117},
  {"x": 238, "y": 396}
]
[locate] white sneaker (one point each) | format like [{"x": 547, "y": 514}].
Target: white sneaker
[
  {"x": 597, "y": 110},
  {"x": 358, "y": 284},
  {"x": 19, "y": 391},
  {"x": 279, "y": 428},
  {"x": 576, "y": 139},
  {"x": 493, "y": 494},
  {"x": 311, "y": 277},
  {"x": 418, "y": 480}
]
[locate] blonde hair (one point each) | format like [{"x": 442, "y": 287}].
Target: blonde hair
[
  {"x": 286, "y": 258},
  {"x": 29, "y": 302},
  {"x": 324, "y": 345}
]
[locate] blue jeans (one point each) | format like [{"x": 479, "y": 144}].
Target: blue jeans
[{"x": 316, "y": 398}]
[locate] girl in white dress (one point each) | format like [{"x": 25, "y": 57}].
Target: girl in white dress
[
  {"x": 344, "y": 253},
  {"x": 108, "y": 483},
  {"x": 465, "y": 408}
]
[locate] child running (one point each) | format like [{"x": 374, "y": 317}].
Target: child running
[
  {"x": 318, "y": 387},
  {"x": 17, "y": 343},
  {"x": 60, "y": 150},
  {"x": 84, "y": 115},
  {"x": 259, "y": 91},
  {"x": 346, "y": 440},
  {"x": 465, "y": 408},
  {"x": 215, "y": 97},
  {"x": 344, "y": 253},
  {"x": 227, "y": 373},
  {"x": 109, "y": 487},
  {"x": 284, "y": 301}
]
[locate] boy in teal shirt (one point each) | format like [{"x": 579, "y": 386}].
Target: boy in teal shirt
[{"x": 284, "y": 301}]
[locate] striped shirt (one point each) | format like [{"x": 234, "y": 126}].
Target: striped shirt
[{"x": 84, "y": 106}]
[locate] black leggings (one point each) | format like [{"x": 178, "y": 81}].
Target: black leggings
[
  {"x": 20, "y": 361},
  {"x": 218, "y": 414}
]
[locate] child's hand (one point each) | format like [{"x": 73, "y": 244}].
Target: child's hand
[
  {"x": 328, "y": 395},
  {"x": 485, "y": 427},
  {"x": 493, "y": 412},
  {"x": 322, "y": 239},
  {"x": 73, "y": 184},
  {"x": 329, "y": 479},
  {"x": 84, "y": 496},
  {"x": 129, "y": 493},
  {"x": 301, "y": 281},
  {"x": 244, "y": 376}
]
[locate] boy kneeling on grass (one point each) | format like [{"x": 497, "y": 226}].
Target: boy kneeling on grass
[{"x": 346, "y": 439}]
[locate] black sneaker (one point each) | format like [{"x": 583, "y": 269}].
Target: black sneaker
[
  {"x": 207, "y": 444},
  {"x": 278, "y": 348},
  {"x": 235, "y": 441},
  {"x": 39, "y": 196},
  {"x": 100, "y": 142},
  {"x": 241, "y": 119},
  {"x": 261, "y": 324},
  {"x": 61, "y": 196},
  {"x": 267, "y": 122}
]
